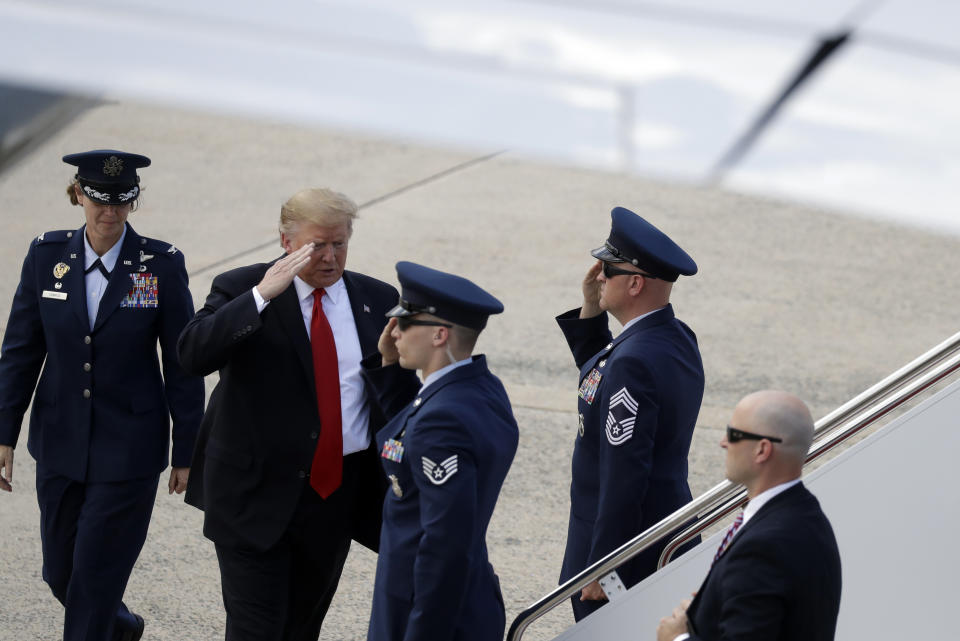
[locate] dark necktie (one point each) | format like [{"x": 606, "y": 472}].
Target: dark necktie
[
  {"x": 98, "y": 265},
  {"x": 327, "y": 469}
]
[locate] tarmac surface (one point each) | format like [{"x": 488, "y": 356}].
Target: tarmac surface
[{"x": 815, "y": 302}]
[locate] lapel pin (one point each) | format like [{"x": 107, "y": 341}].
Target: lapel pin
[{"x": 366, "y": 308}]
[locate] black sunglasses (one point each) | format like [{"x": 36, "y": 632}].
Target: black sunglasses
[
  {"x": 404, "y": 323},
  {"x": 734, "y": 435},
  {"x": 609, "y": 271}
]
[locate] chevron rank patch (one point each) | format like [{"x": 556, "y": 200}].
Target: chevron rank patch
[
  {"x": 621, "y": 415},
  {"x": 440, "y": 473}
]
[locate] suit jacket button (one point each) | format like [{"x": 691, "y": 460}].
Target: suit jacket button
[
  {"x": 87, "y": 340},
  {"x": 87, "y": 367},
  {"x": 86, "y": 393},
  {"x": 314, "y": 435},
  {"x": 302, "y": 474}
]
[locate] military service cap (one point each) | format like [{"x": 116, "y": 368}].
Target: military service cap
[
  {"x": 108, "y": 176},
  {"x": 446, "y": 296},
  {"x": 633, "y": 240}
]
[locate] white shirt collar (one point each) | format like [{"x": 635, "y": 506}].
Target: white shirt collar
[
  {"x": 761, "y": 499},
  {"x": 432, "y": 378},
  {"x": 633, "y": 321},
  {"x": 334, "y": 291},
  {"x": 109, "y": 258}
]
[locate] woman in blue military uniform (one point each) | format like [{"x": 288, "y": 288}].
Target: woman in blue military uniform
[
  {"x": 91, "y": 306},
  {"x": 446, "y": 452}
]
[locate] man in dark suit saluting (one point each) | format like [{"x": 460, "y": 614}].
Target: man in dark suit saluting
[
  {"x": 776, "y": 574},
  {"x": 285, "y": 471}
]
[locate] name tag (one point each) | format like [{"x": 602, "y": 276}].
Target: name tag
[{"x": 55, "y": 295}]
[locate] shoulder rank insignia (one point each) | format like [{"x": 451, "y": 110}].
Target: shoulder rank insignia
[
  {"x": 440, "y": 473},
  {"x": 60, "y": 270},
  {"x": 172, "y": 250},
  {"x": 588, "y": 388},
  {"x": 621, "y": 415}
]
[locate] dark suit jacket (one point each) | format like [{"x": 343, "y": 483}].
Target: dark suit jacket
[
  {"x": 638, "y": 403},
  {"x": 779, "y": 580},
  {"x": 102, "y": 409},
  {"x": 260, "y": 432}
]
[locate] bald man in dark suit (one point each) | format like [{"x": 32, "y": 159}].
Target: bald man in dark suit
[{"x": 776, "y": 575}]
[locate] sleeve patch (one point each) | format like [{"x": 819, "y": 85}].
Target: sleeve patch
[
  {"x": 621, "y": 415},
  {"x": 440, "y": 473}
]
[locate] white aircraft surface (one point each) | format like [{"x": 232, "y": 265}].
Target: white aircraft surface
[{"x": 844, "y": 103}]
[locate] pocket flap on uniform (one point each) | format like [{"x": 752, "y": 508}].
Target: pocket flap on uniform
[{"x": 216, "y": 450}]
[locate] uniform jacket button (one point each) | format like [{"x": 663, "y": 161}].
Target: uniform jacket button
[
  {"x": 87, "y": 340},
  {"x": 302, "y": 474},
  {"x": 86, "y": 393},
  {"x": 314, "y": 435},
  {"x": 87, "y": 367}
]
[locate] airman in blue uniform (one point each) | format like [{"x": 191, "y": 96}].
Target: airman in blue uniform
[
  {"x": 638, "y": 401},
  {"x": 446, "y": 452},
  {"x": 90, "y": 309}
]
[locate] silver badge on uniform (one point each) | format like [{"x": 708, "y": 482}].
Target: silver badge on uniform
[
  {"x": 621, "y": 415},
  {"x": 395, "y": 482},
  {"x": 440, "y": 473},
  {"x": 580, "y": 429}
]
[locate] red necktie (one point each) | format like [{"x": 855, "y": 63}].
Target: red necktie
[{"x": 327, "y": 469}]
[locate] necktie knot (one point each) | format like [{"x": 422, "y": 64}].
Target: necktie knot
[
  {"x": 98, "y": 264},
  {"x": 318, "y": 294}
]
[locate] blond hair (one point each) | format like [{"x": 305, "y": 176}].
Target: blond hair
[{"x": 319, "y": 206}]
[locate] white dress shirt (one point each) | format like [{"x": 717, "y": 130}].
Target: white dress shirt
[
  {"x": 354, "y": 413},
  {"x": 95, "y": 282}
]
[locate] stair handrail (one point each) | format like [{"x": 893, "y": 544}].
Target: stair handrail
[{"x": 925, "y": 371}]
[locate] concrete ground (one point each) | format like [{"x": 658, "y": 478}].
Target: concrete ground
[{"x": 815, "y": 302}]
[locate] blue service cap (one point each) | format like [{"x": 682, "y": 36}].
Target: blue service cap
[
  {"x": 633, "y": 240},
  {"x": 108, "y": 176},
  {"x": 452, "y": 298}
]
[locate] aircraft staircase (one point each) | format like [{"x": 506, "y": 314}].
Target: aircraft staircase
[{"x": 892, "y": 499}]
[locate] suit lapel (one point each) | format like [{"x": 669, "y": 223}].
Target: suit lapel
[
  {"x": 120, "y": 282},
  {"x": 368, "y": 326},
  {"x": 475, "y": 367},
  {"x": 657, "y": 318},
  {"x": 73, "y": 280},
  {"x": 287, "y": 307}
]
